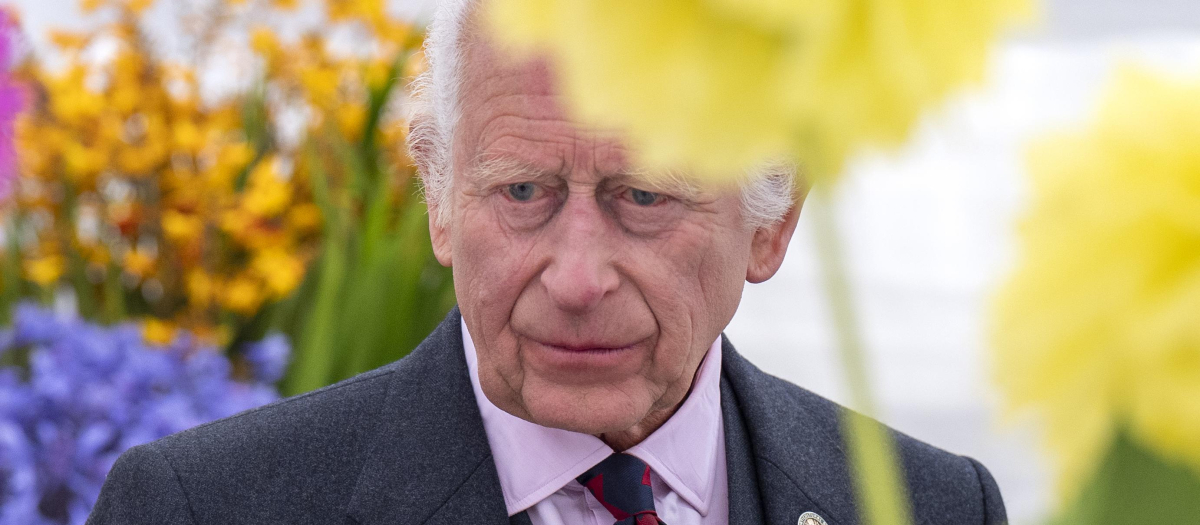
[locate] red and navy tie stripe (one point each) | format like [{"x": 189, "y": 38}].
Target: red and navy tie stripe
[{"x": 622, "y": 484}]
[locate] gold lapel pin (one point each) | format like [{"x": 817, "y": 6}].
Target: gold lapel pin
[{"x": 811, "y": 518}]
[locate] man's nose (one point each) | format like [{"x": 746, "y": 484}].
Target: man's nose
[{"x": 582, "y": 246}]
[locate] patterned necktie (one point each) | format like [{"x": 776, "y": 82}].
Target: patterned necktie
[{"x": 622, "y": 484}]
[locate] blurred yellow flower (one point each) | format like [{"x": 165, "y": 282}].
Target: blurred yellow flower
[
  {"x": 243, "y": 295},
  {"x": 321, "y": 84},
  {"x": 305, "y": 217},
  {"x": 187, "y": 137},
  {"x": 181, "y": 227},
  {"x": 157, "y": 331},
  {"x": 1099, "y": 327},
  {"x": 363, "y": 9},
  {"x": 281, "y": 271},
  {"x": 138, "y": 6},
  {"x": 722, "y": 85},
  {"x": 200, "y": 288},
  {"x": 138, "y": 263},
  {"x": 184, "y": 206},
  {"x": 82, "y": 162},
  {"x": 45, "y": 270},
  {"x": 265, "y": 43},
  {"x": 350, "y": 119},
  {"x": 67, "y": 40},
  {"x": 267, "y": 194}
]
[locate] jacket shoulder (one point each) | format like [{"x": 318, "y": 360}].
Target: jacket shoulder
[
  {"x": 300, "y": 456},
  {"x": 800, "y": 431}
]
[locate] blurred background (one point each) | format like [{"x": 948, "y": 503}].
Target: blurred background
[
  {"x": 931, "y": 235},
  {"x": 929, "y": 230}
]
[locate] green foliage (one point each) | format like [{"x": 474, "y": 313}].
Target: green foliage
[
  {"x": 377, "y": 290},
  {"x": 1136, "y": 486}
]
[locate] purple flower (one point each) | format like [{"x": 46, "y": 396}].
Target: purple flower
[
  {"x": 88, "y": 393},
  {"x": 269, "y": 358},
  {"x": 11, "y": 102}
]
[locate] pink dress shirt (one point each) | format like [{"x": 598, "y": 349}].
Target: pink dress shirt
[{"x": 538, "y": 465}]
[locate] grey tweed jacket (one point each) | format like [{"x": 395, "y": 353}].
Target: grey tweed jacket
[{"x": 405, "y": 444}]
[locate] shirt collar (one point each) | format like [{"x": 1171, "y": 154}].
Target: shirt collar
[{"x": 534, "y": 461}]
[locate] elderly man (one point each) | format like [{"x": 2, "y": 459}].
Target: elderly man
[{"x": 583, "y": 378}]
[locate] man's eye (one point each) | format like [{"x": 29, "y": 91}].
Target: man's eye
[
  {"x": 522, "y": 191},
  {"x": 643, "y": 197}
]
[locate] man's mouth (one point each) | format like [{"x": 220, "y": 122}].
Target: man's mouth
[{"x": 595, "y": 348}]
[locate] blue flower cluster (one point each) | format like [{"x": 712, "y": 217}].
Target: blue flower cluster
[{"x": 74, "y": 396}]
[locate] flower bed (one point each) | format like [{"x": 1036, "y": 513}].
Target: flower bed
[{"x": 75, "y": 395}]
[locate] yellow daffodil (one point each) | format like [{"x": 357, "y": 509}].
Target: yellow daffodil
[
  {"x": 1097, "y": 329},
  {"x": 722, "y": 85}
]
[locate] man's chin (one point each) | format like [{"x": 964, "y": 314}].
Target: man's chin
[{"x": 595, "y": 414}]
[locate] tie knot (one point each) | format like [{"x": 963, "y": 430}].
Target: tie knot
[{"x": 622, "y": 484}]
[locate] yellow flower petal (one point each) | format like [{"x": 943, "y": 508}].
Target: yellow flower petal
[
  {"x": 1097, "y": 327},
  {"x": 720, "y": 86}
]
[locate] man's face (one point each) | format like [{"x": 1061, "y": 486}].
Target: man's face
[{"x": 591, "y": 293}]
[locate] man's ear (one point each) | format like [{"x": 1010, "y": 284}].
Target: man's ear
[
  {"x": 423, "y": 152},
  {"x": 439, "y": 236},
  {"x": 770, "y": 244}
]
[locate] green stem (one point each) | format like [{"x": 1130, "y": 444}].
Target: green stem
[{"x": 881, "y": 493}]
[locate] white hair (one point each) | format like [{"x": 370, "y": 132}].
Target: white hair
[{"x": 767, "y": 193}]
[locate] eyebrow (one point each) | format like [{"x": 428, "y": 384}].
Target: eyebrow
[
  {"x": 494, "y": 169},
  {"x": 671, "y": 182}
]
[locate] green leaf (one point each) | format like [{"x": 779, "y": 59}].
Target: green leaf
[
  {"x": 10, "y": 274},
  {"x": 316, "y": 347},
  {"x": 1135, "y": 485}
]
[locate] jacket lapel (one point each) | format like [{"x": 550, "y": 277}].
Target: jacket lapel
[
  {"x": 429, "y": 460},
  {"x": 745, "y": 503},
  {"x": 798, "y": 457}
]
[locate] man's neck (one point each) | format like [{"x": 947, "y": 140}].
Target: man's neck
[{"x": 626, "y": 439}]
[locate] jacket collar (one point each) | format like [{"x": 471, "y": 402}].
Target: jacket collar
[
  {"x": 429, "y": 461},
  {"x": 798, "y": 453}
]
